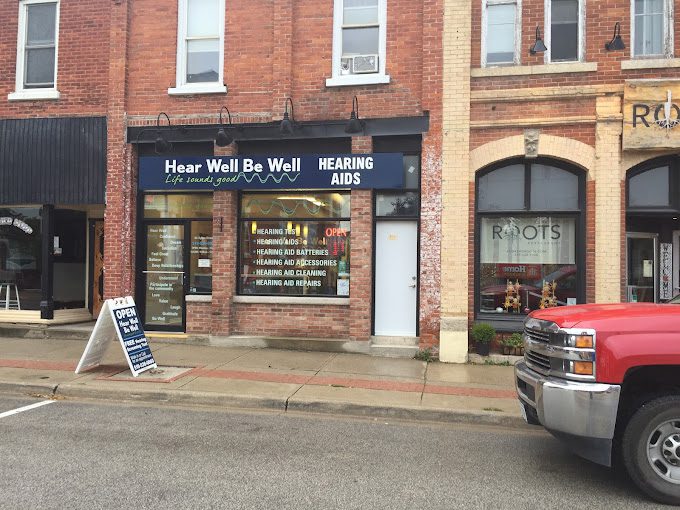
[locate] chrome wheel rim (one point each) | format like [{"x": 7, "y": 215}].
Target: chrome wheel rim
[{"x": 663, "y": 451}]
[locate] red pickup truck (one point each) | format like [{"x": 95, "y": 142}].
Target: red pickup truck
[{"x": 606, "y": 380}]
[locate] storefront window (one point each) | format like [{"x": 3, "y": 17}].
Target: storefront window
[
  {"x": 295, "y": 244},
  {"x": 529, "y": 257},
  {"x": 650, "y": 188},
  {"x": 178, "y": 205},
  {"x": 20, "y": 258}
]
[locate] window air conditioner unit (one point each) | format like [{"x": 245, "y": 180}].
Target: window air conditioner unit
[{"x": 365, "y": 64}]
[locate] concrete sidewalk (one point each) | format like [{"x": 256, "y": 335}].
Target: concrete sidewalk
[{"x": 242, "y": 377}]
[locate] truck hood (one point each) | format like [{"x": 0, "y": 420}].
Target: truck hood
[{"x": 607, "y": 316}]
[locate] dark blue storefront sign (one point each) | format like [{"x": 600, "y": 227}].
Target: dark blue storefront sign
[{"x": 319, "y": 171}]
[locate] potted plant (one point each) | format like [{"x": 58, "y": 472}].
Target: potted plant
[
  {"x": 482, "y": 334},
  {"x": 514, "y": 344}
]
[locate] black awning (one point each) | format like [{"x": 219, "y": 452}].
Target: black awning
[{"x": 53, "y": 161}]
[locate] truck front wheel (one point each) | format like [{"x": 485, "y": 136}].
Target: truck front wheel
[{"x": 651, "y": 449}]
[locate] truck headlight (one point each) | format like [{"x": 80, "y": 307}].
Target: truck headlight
[
  {"x": 580, "y": 341},
  {"x": 582, "y": 367}
]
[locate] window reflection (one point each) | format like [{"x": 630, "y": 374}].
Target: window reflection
[{"x": 20, "y": 258}]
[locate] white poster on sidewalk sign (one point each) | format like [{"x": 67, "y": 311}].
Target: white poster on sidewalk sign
[
  {"x": 666, "y": 271},
  {"x": 118, "y": 318}
]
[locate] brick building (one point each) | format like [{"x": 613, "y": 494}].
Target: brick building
[
  {"x": 208, "y": 82},
  {"x": 54, "y": 83},
  {"x": 566, "y": 182}
]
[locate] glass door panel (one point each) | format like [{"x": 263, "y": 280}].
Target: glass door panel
[
  {"x": 642, "y": 267},
  {"x": 164, "y": 277},
  {"x": 200, "y": 258}
]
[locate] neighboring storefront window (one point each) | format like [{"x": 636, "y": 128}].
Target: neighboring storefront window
[
  {"x": 295, "y": 244},
  {"x": 528, "y": 238},
  {"x": 20, "y": 258}
]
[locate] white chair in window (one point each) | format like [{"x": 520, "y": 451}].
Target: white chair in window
[{"x": 7, "y": 283}]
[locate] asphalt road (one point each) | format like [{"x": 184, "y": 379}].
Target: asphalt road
[{"x": 83, "y": 455}]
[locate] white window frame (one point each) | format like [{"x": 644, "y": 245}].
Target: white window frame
[
  {"x": 581, "y": 44},
  {"x": 181, "y": 86},
  {"x": 668, "y": 40},
  {"x": 27, "y": 94},
  {"x": 516, "y": 60},
  {"x": 338, "y": 79}
]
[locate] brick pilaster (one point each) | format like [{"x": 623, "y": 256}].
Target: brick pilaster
[
  {"x": 282, "y": 55},
  {"x": 608, "y": 203},
  {"x": 361, "y": 254},
  {"x": 457, "y": 193},
  {"x": 224, "y": 269},
  {"x": 120, "y": 215}
]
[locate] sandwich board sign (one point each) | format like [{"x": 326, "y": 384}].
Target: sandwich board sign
[{"x": 118, "y": 318}]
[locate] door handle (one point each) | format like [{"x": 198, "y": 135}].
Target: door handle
[{"x": 413, "y": 278}]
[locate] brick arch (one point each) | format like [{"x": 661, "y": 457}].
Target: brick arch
[
  {"x": 634, "y": 159},
  {"x": 566, "y": 149}
]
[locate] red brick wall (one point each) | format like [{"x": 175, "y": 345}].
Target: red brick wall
[
  {"x": 582, "y": 132},
  {"x": 304, "y": 321},
  {"x": 600, "y": 18},
  {"x": 82, "y": 68},
  {"x": 199, "y": 317}
]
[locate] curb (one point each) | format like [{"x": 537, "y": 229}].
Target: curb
[
  {"x": 23, "y": 389},
  {"x": 77, "y": 391},
  {"x": 187, "y": 398},
  {"x": 405, "y": 413}
]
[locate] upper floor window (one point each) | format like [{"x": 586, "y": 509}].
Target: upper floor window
[
  {"x": 200, "y": 47},
  {"x": 359, "y": 41},
  {"x": 651, "y": 28},
  {"x": 36, "y": 71},
  {"x": 501, "y": 31},
  {"x": 564, "y": 30}
]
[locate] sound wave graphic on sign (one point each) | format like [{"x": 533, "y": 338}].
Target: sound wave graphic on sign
[
  {"x": 268, "y": 207},
  {"x": 266, "y": 178}
]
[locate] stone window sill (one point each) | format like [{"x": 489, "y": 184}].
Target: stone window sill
[
  {"x": 198, "y": 298},
  {"x": 33, "y": 95},
  {"x": 349, "y": 80},
  {"x": 650, "y": 63},
  {"x": 556, "y": 68},
  {"x": 187, "y": 90},
  {"x": 289, "y": 300}
]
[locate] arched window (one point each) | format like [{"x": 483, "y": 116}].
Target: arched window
[
  {"x": 654, "y": 185},
  {"x": 529, "y": 230}
]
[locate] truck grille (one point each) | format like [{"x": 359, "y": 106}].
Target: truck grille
[
  {"x": 547, "y": 350},
  {"x": 537, "y": 360},
  {"x": 538, "y": 336}
]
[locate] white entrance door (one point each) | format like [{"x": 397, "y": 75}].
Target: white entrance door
[{"x": 396, "y": 278}]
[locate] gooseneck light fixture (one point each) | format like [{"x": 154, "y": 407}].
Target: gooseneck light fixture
[
  {"x": 354, "y": 124},
  {"x": 224, "y": 138},
  {"x": 538, "y": 46},
  {"x": 616, "y": 44},
  {"x": 161, "y": 145},
  {"x": 287, "y": 125}
]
